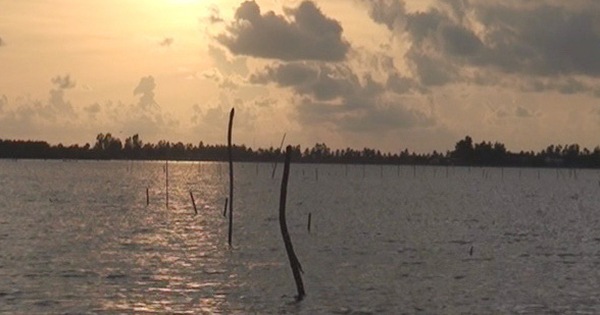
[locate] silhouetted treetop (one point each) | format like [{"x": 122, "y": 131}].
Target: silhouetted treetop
[{"x": 466, "y": 152}]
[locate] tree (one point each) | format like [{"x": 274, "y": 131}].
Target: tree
[{"x": 464, "y": 151}]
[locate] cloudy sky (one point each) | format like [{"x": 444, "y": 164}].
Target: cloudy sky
[{"x": 388, "y": 74}]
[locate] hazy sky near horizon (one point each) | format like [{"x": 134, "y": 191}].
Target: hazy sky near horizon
[{"x": 386, "y": 74}]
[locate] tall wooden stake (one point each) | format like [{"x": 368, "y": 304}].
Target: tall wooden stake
[
  {"x": 193, "y": 203},
  {"x": 294, "y": 263},
  {"x": 167, "y": 182},
  {"x": 230, "y": 153}
]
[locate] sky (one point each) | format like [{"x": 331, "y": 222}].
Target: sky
[{"x": 385, "y": 74}]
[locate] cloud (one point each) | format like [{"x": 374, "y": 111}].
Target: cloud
[
  {"x": 323, "y": 82},
  {"x": 305, "y": 34},
  {"x": 564, "y": 85},
  {"x": 227, "y": 65},
  {"x": 211, "y": 121},
  {"x": 387, "y": 12},
  {"x": 522, "y": 112},
  {"x": 215, "y": 15},
  {"x": 146, "y": 90},
  {"x": 166, "y": 42},
  {"x": 544, "y": 40},
  {"x": 303, "y": 78},
  {"x": 93, "y": 109},
  {"x": 452, "y": 39},
  {"x": 63, "y": 83},
  {"x": 57, "y": 105},
  {"x": 336, "y": 96},
  {"x": 3, "y": 101},
  {"x": 51, "y": 120}
]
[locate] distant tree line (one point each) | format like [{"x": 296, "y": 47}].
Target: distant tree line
[{"x": 465, "y": 153}]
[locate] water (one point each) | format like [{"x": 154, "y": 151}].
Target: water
[{"x": 78, "y": 238}]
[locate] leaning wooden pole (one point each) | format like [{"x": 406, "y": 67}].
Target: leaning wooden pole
[
  {"x": 275, "y": 164},
  {"x": 193, "y": 203},
  {"x": 294, "y": 263},
  {"x": 230, "y": 153}
]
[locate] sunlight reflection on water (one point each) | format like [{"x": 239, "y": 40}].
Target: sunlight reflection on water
[{"x": 77, "y": 237}]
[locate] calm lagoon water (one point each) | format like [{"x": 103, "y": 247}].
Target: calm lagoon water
[{"x": 76, "y": 237}]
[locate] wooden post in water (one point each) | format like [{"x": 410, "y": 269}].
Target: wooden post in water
[
  {"x": 147, "y": 197},
  {"x": 193, "y": 203},
  {"x": 230, "y": 154},
  {"x": 309, "y": 217},
  {"x": 167, "y": 183},
  {"x": 294, "y": 262},
  {"x": 225, "y": 209},
  {"x": 275, "y": 165}
]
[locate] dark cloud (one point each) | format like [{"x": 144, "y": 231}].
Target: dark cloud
[
  {"x": 399, "y": 84},
  {"x": 566, "y": 85},
  {"x": 387, "y": 12},
  {"x": 333, "y": 94},
  {"x": 543, "y": 40},
  {"x": 526, "y": 38},
  {"x": 460, "y": 41},
  {"x": 387, "y": 117},
  {"x": 146, "y": 91},
  {"x": 432, "y": 70},
  {"x": 289, "y": 74},
  {"x": 166, "y": 42},
  {"x": 307, "y": 35},
  {"x": 322, "y": 82}
]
